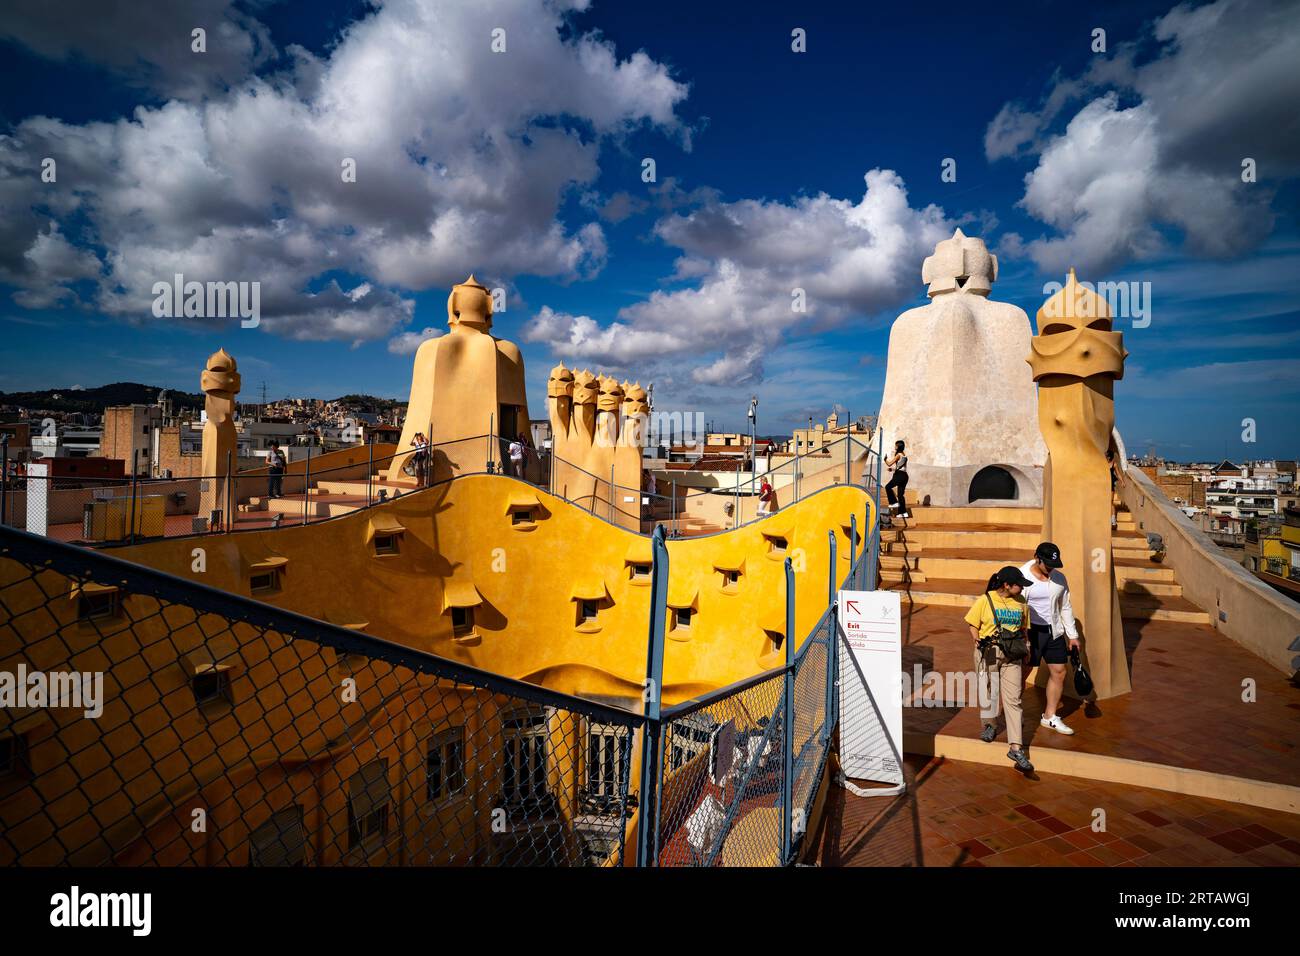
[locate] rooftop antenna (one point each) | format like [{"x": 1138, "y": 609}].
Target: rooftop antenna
[{"x": 261, "y": 412}]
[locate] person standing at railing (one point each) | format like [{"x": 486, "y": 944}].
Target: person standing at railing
[
  {"x": 518, "y": 448},
  {"x": 897, "y": 465},
  {"x": 420, "y": 459},
  {"x": 276, "y": 463}
]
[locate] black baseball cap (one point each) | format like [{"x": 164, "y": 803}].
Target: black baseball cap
[
  {"x": 1049, "y": 554},
  {"x": 1012, "y": 575}
]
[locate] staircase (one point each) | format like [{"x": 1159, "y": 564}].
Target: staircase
[
  {"x": 326, "y": 499},
  {"x": 944, "y": 557}
]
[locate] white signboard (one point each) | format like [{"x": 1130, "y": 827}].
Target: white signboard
[
  {"x": 871, "y": 699},
  {"x": 38, "y": 500}
]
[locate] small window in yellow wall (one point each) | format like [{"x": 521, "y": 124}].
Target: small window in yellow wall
[
  {"x": 264, "y": 582},
  {"x": 682, "y": 617},
  {"x": 387, "y": 543},
  {"x": 462, "y": 621},
  {"x": 98, "y": 605},
  {"x": 778, "y": 544},
  {"x": 211, "y": 686},
  {"x": 587, "y": 611},
  {"x": 640, "y": 570}
]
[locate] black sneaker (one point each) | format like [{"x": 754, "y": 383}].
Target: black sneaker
[
  {"x": 1021, "y": 761},
  {"x": 988, "y": 733}
]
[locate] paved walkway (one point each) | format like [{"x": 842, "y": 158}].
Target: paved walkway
[
  {"x": 963, "y": 814},
  {"x": 1186, "y": 708}
]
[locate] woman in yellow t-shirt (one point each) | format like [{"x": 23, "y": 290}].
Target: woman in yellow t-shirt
[{"x": 1001, "y": 608}]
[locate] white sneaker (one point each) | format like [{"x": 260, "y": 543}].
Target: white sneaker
[{"x": 1057, "y": 724}]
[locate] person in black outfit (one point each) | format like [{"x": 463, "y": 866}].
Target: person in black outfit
[
  {"x": 275, "y": 473},
  {"x": 897, "y": 463}
]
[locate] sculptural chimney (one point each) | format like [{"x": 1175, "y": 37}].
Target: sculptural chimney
[
  {"x": 1076, "y": 358},
  {"x": 220, "y": 383},
  {"x": 956, "y": 390}
]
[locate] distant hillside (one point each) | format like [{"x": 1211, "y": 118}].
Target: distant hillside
[
  {"x": 370, "y": 401},
  {"x": 97, "y": 399}
]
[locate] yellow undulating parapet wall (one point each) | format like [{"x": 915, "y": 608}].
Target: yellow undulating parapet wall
[{"x": 501, "y": 575}]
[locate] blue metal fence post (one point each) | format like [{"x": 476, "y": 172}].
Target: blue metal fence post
[
  {"x": 4, "y": 478},
  {"x": 787, "y": 738},
  {"x": 647, "y": 844},
  {"x": 853, "y": 550},
  {"x": 306, "y": 485},
  {"x": 134, "y": 478},
  {"x": 370, "y": 471},
  {"x": 833, "y": 607}
]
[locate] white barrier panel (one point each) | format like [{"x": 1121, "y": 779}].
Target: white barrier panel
[
  {"x": 38, "y": 498},
  {"x": 871, "y": 700}
]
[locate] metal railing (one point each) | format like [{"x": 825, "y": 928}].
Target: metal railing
[
  {"x": 181, "y": 724},
  {"x": 125, "y": 511}
]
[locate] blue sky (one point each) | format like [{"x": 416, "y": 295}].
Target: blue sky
[{"x": 525, "y": 168}]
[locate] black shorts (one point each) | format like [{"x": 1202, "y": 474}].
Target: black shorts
[{"x": 1044, "y": 647}]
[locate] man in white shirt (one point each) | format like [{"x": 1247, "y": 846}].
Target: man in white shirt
[{"x": 1051, "y": 626}]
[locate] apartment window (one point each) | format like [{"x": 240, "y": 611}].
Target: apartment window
[
  {"x": 777, "y": 544},
  {"x": 641, "y": 570},
  {"x": 682, "y": 617},
  {"x": 587, "y": 611},
  {"x": 280, "y": 841},
  {"x": 211, "y": 687},
  {"x": 609, "y": 753},
  {"x": 386, "y": 544},
  {"x": 523, "y": 515},
  {"x": 368, "y": 800},
  {"x": 525, "y": 757},
  {"x": 731, "y": 577},
  {"x": 264, "y": 582},
  {"x": 462, "y": 621},
  {"x": 445, "y": 765}
]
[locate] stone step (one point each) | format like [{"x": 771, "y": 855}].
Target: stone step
[
  {"x": 896, "y": 576},
  {"x": 358, "y": 488},
  {"x": 1015, "y": 539},
  {"x": 1138, "y": 586},
  {"x": 1130, "y": 553},
  {"x": 1139, "y": 569},
  {"x": 942, "y": 592},
  {"x": 967, "y": 564},
  {"x": 327, "y": 507},
  {"x": 1160, "y": 607},
  {"x": 978, "y": 514}
]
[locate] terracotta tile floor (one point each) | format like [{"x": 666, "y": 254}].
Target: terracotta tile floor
[
  {"x": 963, "y": 814},
  {"x": 1185, "y": 710}
]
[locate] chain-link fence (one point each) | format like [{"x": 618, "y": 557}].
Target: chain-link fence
[
  {"x": 162, "y": 722},
  {"x": 147, "y": 719}
]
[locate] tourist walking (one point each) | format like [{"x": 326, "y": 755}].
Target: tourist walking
[
  {"x": 766, "y": 497},
  {"x": 897, "y": 464},
  {"x": 998, "y": 623},
  {"x": 276, "y": 463},
  {"x": 517, "y": 451},
  {"x": 1051, "y": 626}
]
